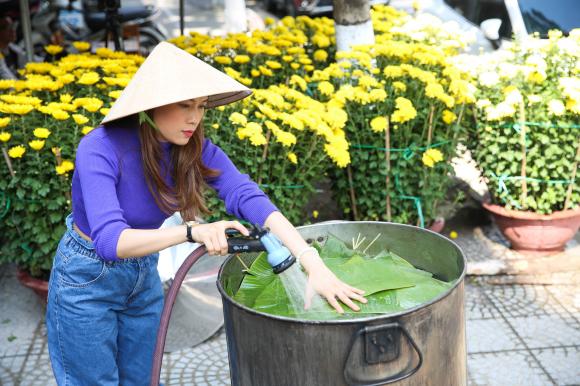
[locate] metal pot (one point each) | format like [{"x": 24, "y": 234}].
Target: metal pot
[{"x": 424, "y": 345}]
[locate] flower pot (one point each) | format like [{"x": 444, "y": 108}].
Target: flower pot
[
  {"x": 39, "y": 286},
  {"x": 533, "y": 233},
  {"x": 437, "y": 225}
]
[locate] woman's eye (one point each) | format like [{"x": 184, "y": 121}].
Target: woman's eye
[{"x": 185, "y": 106}]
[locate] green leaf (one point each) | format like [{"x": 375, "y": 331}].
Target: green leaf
[{"x": 391, "y": 284}]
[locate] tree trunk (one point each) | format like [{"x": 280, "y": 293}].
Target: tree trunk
[
  {"x": 352, "y": 23},
  {"x": 235, "y": 16}
]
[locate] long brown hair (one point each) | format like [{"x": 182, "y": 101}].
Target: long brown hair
[{"x": 187, "y": 170}]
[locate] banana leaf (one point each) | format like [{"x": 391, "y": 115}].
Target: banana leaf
[
  {"x": 390, "y": 282},
  {"x": 258, "y": 277}
]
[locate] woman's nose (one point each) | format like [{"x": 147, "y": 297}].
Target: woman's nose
[{"x": 196, "y": 115}]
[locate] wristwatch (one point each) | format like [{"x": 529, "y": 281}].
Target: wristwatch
[{"x": 190, "y": 224}]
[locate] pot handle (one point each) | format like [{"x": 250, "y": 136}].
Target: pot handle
[{"x": 381, "y": 344}]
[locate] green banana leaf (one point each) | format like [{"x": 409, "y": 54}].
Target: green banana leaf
[{"x": 391, "y": 284}]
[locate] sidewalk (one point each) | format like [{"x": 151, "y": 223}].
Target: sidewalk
[{"x": 516, "y": 334}]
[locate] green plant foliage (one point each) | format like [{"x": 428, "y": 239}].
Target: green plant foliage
[{"x": 528, "y": 131}]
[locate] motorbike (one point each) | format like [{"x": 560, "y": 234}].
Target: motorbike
[{"x": 65, "y": 21}]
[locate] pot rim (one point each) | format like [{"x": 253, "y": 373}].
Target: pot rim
[
  {"x": 528, "y": 215},
  {"x": 379, "y": 317}
]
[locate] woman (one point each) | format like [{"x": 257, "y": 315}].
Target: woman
[{"x": 147, "y": 160}]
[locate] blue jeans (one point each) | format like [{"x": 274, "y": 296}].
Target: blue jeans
[{"x": 102, "y": 317}]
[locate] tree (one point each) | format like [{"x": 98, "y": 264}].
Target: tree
[
  {"x": 235, "y": 16},
  {"x": 353, "y": 24}
]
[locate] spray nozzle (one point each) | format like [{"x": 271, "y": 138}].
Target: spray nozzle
[{"x": 261, "y": 239}]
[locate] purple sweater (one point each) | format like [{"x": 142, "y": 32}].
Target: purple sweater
[{"x": 110, "y": 193}]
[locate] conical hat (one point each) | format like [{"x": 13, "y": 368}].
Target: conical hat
[{"x": 169, "y": 75}]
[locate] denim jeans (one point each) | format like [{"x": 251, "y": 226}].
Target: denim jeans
[{"x": 102, "y": 317}]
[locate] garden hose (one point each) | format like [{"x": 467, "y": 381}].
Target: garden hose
[{"x": 259, "y": 240}]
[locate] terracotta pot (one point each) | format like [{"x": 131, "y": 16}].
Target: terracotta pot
[
  {"x": 39, "y": 286},
  {"x": 437, "y": 225},
  {"x": 533, "y": 233}
]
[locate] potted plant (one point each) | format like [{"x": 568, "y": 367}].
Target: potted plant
[
  {"x": 527, "y": 143},
  {"x": 406, "y": 108},
  {"x": 42, "y": 118}
]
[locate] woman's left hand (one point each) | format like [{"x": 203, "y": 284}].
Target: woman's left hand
[{"x": 324, "y": 282}]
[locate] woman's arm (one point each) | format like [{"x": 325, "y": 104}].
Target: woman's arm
[{"x": 142, "y": 242}]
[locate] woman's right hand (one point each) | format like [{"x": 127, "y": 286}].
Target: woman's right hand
[{"x": 213, "y": 235}]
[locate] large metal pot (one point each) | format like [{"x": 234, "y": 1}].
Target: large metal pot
[{"x": 424, "y": 345}]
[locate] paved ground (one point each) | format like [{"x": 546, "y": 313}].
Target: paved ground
[{"x": 516, "y": 334}]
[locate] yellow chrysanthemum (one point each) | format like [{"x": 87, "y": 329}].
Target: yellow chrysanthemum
[
  {"x": 265, "y": 71},
  {"x": 242, "y": 59},
  {"x": 41, "y": 132},
  {"x": 80, "y": 119},
  {"x": 326, "y": 88},
  {"x": 399, "y": 86},
  {"x": 431, "y": 157},
  {"x": 320, "y": 55},
  {"x": 249, "y": 130},
  {"x": 273, "y": 65},
  {"x": 82, "y": 46},
  {"x": 66, "y": 98},
  {"x": 60, "y": 115},
  {"x": 87, "y": 129},
  {"x": 379, "y": 124},
  {"x": 223, "y": 60},
  {"x": 292, "y": 157},
  {"x": 4, "y": 136},
  {"x": 321, "y": 40},
  {"x": 16, "y": 109},
  {"x": 115, "y": 94},
  {"x": 298, "y": 81},
  {"x": 258, "y": 139},
  {"x": 65, "y": 167},
  {"x": 238, "y": 119},
  {"x": 93, "y": 107},
  {"x": 89, "y": 78},
  {"x": 405, "y": 110},
  {"x": 377, "y": 95},
  {"x": 449, "y": 116},
  {"x": 5, "y": 122},
  {"x": 285, "y": 138},
  {"x": 36, "y": 144},
  {"x": 53, "y": 49},
  {"x": 16, "y": 151}
]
